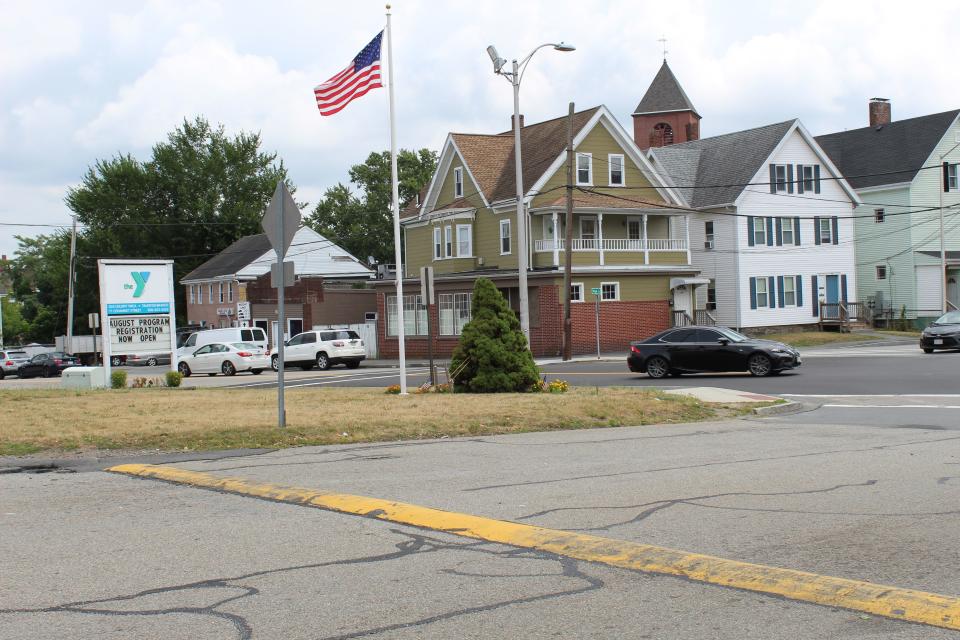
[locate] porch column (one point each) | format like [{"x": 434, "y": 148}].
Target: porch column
[
  {"x": 600, "y": 235},
  {"x": 646, "y": 246},
  {"x": 556, "y": 241},
  {"x": 686, "y": 231}
]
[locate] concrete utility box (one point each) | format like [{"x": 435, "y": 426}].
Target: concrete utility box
[{"x": 83, "y": 378}]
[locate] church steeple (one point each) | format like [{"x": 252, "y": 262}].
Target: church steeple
[{"x": 665, "y": 114}]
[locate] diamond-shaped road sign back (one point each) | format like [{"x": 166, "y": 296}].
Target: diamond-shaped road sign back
[{"x": 281, "y": 205}]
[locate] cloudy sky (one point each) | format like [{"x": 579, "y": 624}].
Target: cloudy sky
[{"x": 82, "y": 81}]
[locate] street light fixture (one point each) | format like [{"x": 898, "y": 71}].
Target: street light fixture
[{"x": 514, "y": 77}]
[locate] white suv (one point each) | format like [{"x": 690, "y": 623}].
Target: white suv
[{"x": 323, "y": 348}]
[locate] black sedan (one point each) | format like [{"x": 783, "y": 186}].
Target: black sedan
[
  {"x": 709, "y": 349},
  {"x": 47, "y": 365},
  {"x": 943, "y": 333}
]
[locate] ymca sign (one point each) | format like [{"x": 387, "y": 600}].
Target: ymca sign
[{"x": 136, "y": 302}]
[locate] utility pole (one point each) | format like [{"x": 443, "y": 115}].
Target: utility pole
[
  {"x": 68, "y": 347},
  {"x": 568, "y": 242}
]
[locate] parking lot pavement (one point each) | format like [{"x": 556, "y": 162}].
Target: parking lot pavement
[{"x": 124, "y": 556}]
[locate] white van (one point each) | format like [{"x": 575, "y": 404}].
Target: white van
[{"x": 255, "y": 335}]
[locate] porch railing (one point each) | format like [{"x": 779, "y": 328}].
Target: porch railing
[
  {"x": 842, "y": 314},
  {"x": 682, "y": 319},
  {"x": 612, "y": 245},
  {"x": 704, "y": 318}
]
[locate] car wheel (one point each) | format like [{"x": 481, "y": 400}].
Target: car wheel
[
  {"x": 152, "y": 362},
  {"x": 256, "y": 372},
  {"x": 353, "y": 364},
  {"x": 275, "y": 363},
  {"x": 184, "y": 369},
  {"x": 228, "y": 369},
  {"x": 657, "y": 367},
  {"x": 928, "y": 350},
  {"x": 2, "y": 374},
  {"x": 759, "y": 365},
  {"x": 46, "y": 372},
  {"x": 115, "y": 361},
  {"x": 323, "y": 361}
]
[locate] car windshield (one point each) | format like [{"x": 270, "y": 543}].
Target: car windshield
[
  {"x": 953, "y": 317},
  {"x": 732, "y": 335}
]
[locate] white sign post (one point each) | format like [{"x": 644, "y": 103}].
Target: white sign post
[
  {"x": 596, "y": 291},
  {"x": 137, "y": 307}
]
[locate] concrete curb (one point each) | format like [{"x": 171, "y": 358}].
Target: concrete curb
[{"x": 790, "y": 406}]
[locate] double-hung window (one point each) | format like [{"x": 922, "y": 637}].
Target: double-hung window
[
  {"x": 708, "y": 234},
  {"x": 879, "y": 216},
  {"x": 825, "y": 231},
  {"x": 585, "y": 168},
  {"x": 414, "y": 316},
  {"x": 229, "y": 292},
  {"x": 789, "y": 291},
  {"x": 448, "y": 242},
  {"x": 780, "y": 177},
  {"x": 609, "y": 290},
  {"x": 808, "y": 178},
  {"x": 588, "y": 232},
  {"x": 759, "y": 231},
  {"x": 712, "y": 296},
  {"x": 505, "y": 238},
  {"x": 464, "y": 240},
  {"x": 437, "y": 243},
  {"x": 761, "y": 295},
  {"x": 220, "y": 292},
  {"x": 458, "y": 182},
  {"x": 454, "y": 311},
  {"x": 952, "y": 183},
  {"x": 881, "y": 272},
  {"x": 786, "y": 231},
  {"x": 576, "y": 292},
  {"x": 210, "y": 293},
  {"x": 615, "y": 166},
  {"x": 193, "y": 294}
]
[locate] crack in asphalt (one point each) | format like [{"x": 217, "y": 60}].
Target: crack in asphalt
[
  {"x": 650, "y": 508},
  {"x": 413, "y": 544},
  {"x": 710, "y": 464}
]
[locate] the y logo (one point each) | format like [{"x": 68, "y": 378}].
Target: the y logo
[{"x": 140, "y": 278}]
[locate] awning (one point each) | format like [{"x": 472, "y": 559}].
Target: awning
[{"x": 680, "y": 282}]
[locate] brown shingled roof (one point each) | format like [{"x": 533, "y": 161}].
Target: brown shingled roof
[{"x": 491, "y": 158}]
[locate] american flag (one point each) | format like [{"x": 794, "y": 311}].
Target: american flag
[{"x": 360, "y": 76}]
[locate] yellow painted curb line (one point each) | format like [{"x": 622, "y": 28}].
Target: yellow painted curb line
[{"x": 891, "y": 602}]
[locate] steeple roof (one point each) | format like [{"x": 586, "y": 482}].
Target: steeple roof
[{"x": 665, "y": 94}]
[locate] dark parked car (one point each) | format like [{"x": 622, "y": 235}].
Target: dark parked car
[
  {"x": 709, "y": 349},
  {"x": 943, "y": 333},
  {"x": 47, "y": 365}
]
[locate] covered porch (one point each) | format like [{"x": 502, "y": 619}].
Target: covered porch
[{"x": 684, "y": 312}]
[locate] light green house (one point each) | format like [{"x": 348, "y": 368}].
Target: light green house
[{"x": 897, "y": 169}]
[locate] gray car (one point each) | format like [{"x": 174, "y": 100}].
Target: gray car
[
  {"x": 148, "y": 360},
  {"x": 10, "y": 361}
]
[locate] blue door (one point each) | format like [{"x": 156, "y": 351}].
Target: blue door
[{"x": 832, "y": 309}]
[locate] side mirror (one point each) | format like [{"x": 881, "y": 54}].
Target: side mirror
[{"x": 724, "y": 341}]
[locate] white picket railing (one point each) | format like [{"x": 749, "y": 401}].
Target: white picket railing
[{"x": 613, "y": 245}]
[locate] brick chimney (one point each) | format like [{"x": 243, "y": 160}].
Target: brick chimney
[
  {"x": 879, "y": 112},
  {"x": 521, "y": 122}
]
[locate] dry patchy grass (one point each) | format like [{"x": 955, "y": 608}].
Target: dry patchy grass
[
  {"x": 816, "y": 338},
  {"x": 207, "y": 419}
]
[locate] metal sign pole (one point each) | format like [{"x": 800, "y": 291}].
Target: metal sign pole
[
  {"x": 281, "y": 322},
  {"x": 597, "y": 298}
]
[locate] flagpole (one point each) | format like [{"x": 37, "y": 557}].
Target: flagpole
[{"x": 396, "y": 213}]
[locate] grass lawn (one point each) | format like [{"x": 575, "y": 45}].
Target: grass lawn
[
  {"x": 207, "y": 419},
  {"x": 905, "y": 334},
  {"x": 815, "y": 338}
]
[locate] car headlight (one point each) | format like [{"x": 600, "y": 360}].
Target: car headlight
[{"x": 780, "y": 350}]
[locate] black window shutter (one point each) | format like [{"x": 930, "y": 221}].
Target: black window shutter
[
  {"x": 843, "y": 288},
  {"x": 789, "y": 178},
  {"x": 773, "y": 300},
  {"x": 799, "y": 178},
  {"x": 773, "y": 178},
  {"x": 750, "y": 231},
  {"x": 769, "y": 232},
  {"x": 815, "y": 297},
  {"x": 796, "y": 231},
  {"x": 780, "y": 295},
  {"x": 798, "y": 287},
  {"x": 835, "y": 227},
  {"x": 753, "y": 293},
  {"x": 779, "y": 232},
  {"x": 816, "y": 230},
  {"x": 816, "y": 178}
]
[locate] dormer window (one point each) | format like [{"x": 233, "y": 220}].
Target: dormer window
[
  {"x": 585, "y": 168},
  {"x": 458, "y": 182}
]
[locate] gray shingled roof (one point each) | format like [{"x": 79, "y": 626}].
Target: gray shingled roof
[
  {"x": 664, "y": 94},
  {"x": 229, "y": 261},
  {"x": 698, "y": 167},
  {"x": 896, "y": 150}
]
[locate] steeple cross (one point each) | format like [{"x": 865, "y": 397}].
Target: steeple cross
[{"x": 663, "y": 40}]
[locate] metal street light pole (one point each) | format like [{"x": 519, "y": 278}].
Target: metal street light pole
[
  {"x": 523, "y": 249},
  {"x": 943, "y": 252}
]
